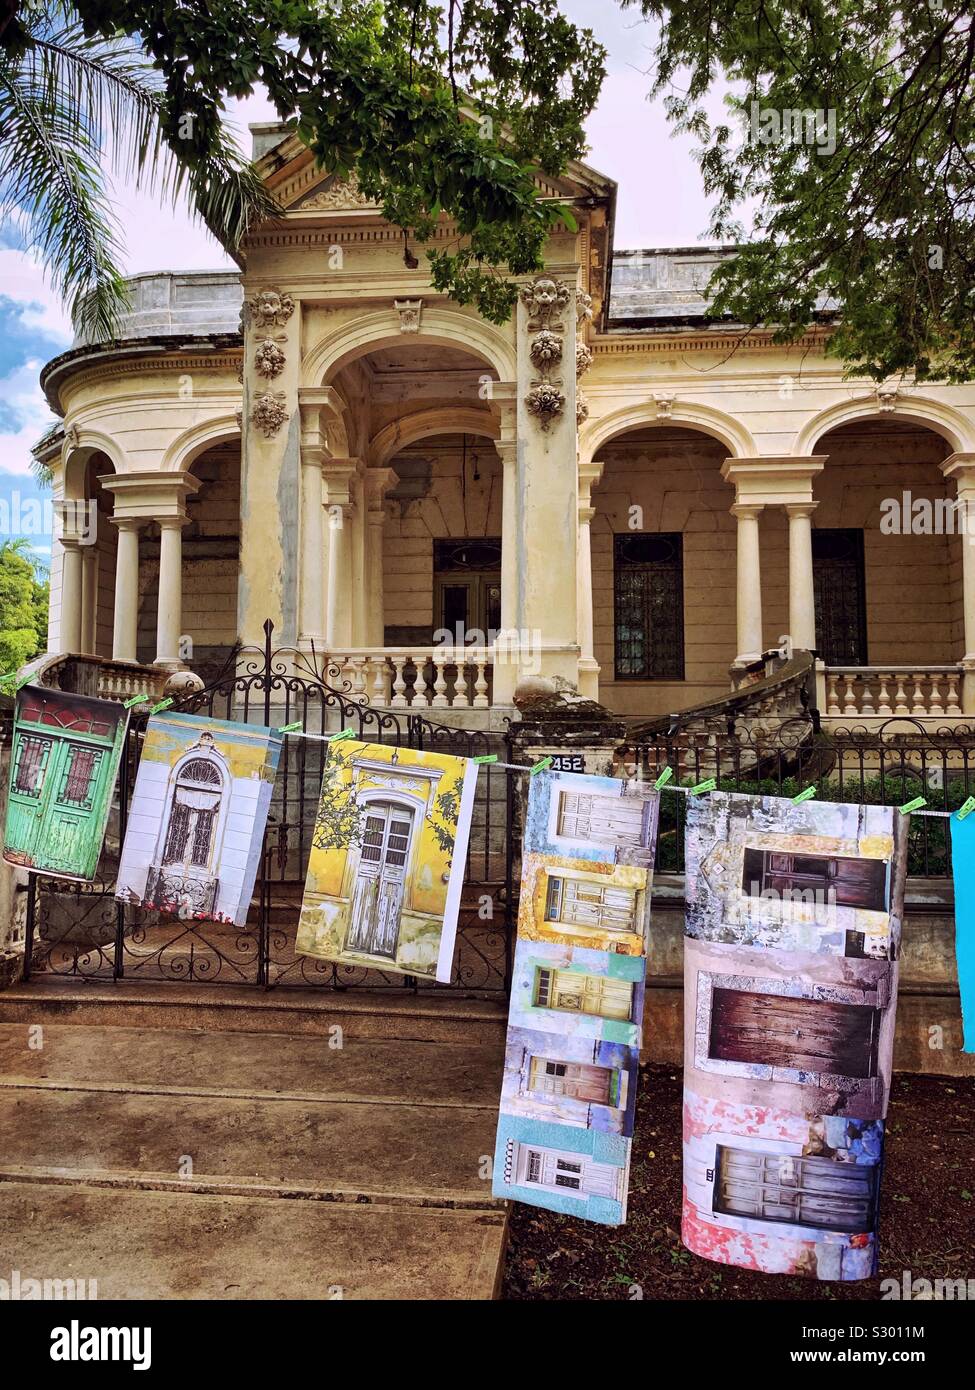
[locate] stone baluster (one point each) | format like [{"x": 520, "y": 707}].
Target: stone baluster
[
  {"x": 399, "y": 682},
  {"x": 849, "y": 694},
  {"x": 832, "y": 694},
  {"x": 420, "y": 697},
  {"x": 866, "y": 694},
  {"x": 440, "y": 700},
  {"x": 900, "y": 699},
  {"x": 919, "y": 706},
  {"x": 883, "y": 698},
  {"x": 480, "y": 682},
  {"x": 460, "y": 700},
  {"x": 934, "y": 699},
  {"x": 952, "y": 701}
]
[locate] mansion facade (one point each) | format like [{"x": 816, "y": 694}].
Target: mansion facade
[{"x": 608, "y": 492}]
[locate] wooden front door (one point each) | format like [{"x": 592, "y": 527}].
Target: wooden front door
[
  {"x": 580, "y": 1080},
  {"x": 814, "y": 1035},
  {"x": 572, "y": 991},
  {"x": 585, "y": 903},
  {"x": 804, "y": 1191},
  {"x": 847, "y": 882},
  {"x": 56, "y": 803},
  {"x": 617, "y": 821},
  {"x": 377, "y": 898}
]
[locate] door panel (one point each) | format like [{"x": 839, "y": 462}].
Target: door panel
[
  {"x": 571, "y": 991},
  {"x": 580, "y": 1080},
  {"x": 806, "y": 1191},
  {"x": 377, "y": 898},
  {"x": 813, "y": 1035}
]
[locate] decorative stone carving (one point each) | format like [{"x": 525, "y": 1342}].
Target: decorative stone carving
[
  {"x": 546, "y": 349},
  {"x": 582, "y": 408},
  {"x": 338, "y": 195},
  {"x": 268, "y": 413},
  {"x": 583, "y": 307},
  {"x": 269, "y": 308},
  {"x": 665, "y": 403},
  {"x": 583, "y": 359},
  {"x": 887, "y": 395},
  {"x": 545, "y": 299},
  {"x": 545, "y": 401},
  {"x": 268, "y": 359},
  {"x": 409, "y": 311}
]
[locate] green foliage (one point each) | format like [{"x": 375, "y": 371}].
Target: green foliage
[
  {"x": 23, "y": 606},
  {"x": 338, "y": 820},
  {"x": 437, "y": 108},
  {"x": 66, "y": 100},
  {"x": 883, "y": 226}
]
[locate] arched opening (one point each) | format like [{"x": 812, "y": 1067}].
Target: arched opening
[
  {"x": 885, "y": 513},
  {"x": 100, "y": 544},
  {"x": 663, "y": 570},
  {"x": 210, "y": 565}
]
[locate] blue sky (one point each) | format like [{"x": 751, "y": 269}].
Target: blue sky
[{"x": 660, "y": 203}]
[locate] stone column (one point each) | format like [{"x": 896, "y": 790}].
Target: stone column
[
  {"x": 588, "y": 666},
  {"x": 312, "y": 624},
  {"x": 802, "y": 594},
  {"x": 339, "y": 477},
  {"x": 961, "y": 467},
  {"x": 505, "y": 670},
  {"x": 70, "y": 640},
  {"x": 125, "y": 630},
  {"x": 749, "y": 587},
  {"x": 376, "y": 481},
  {"x": 89, "y": 598},
  {"x": 546, "y": 492},
  {"x": 169, "y": 613}
]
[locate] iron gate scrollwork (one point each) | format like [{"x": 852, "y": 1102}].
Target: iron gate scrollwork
[{"x": 79, "y": 931}]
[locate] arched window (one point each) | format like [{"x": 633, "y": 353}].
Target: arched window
[{"x": 193, "y": 814}]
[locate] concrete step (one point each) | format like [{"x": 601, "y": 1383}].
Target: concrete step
[
  {"x": 157, "y": 1245},
  {"x": 436, "y": 1015},
  {"x": 259, "y": 1065}
]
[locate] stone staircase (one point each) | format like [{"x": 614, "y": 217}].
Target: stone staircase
[{"x": 223, "y": 1143}]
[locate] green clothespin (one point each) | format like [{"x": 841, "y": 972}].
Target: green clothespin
[
  {"x": 163, "y": 704},
  {"x": 291, "y": 728},
  {"x": 966, "y": 808},
  {"x": 708, "y": 785},
  {"x": 540, "y": 766},
  {"x": 485, "y": 758},
  {"x": 804, "y": 796},
  {"x": 344, "y": 733},
  {"x": 664, "y": 778},
  {"x": 136, "y": 700},
  {"x": 914, "y": 805}
]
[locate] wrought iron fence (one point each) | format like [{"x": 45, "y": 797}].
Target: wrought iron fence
[
  {"x": 887, "y": 765},
  {"x": 79, "y": 930}
]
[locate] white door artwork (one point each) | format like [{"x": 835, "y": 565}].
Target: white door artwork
[
  {"x": 377, "y": 899},
  {"x": 566, "y": 1172},
  {"x": 185, "y": 873},
  {"x": 617, "y": 821}
]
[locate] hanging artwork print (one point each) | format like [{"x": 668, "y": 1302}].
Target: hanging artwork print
[
  {"x": 568, "y": 1095},
  {"x": 63, "y": 767},
  {"x": 792, "y": 938},
  {"x": 387, "y": 861},
  {"x": 197, "y": 819}
]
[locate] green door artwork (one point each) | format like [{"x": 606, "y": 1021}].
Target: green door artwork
[{"x": 64, "y": 761}]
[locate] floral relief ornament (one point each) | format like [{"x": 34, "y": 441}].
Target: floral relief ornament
[
  {"x": 268, "y": 359},
  {"x": 583, "y": 358},
  {"x": 268, "y": 413},
  {"x": 269, "y": 308},
  {"x": 546, "y": 349},
  {"x": 545, "y": 298},
  {"x": 545, "y": 401}
]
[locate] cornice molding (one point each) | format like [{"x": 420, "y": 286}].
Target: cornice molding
[{"x": 710, "y": 340}]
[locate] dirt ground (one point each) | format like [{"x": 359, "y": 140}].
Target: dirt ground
[{"x": 927, "y": 1218}]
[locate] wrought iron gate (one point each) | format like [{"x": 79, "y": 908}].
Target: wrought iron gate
[{"x": 79, "y": 931}]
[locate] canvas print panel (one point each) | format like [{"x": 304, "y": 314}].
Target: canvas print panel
[
  {"x": 820, "y": 876},
  {"x": 198, "y": 815},
  {"x": 797, "y": 1030},
  {"x": 562, "y": 1168},
  {"x": 574, "y": 902},
  {"x": 576, "y": 992},
  {"x": 387, "y": 861},
  {"x": 781, "y": 1193},
  {"x": 567, "y": 1080},
  {"x": 64, "y": 764},
  {"x": 601, "y": 819}
]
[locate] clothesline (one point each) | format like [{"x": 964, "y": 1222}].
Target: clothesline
[{"x": 491, "y": 761}]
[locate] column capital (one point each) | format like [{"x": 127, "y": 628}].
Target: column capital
[
  {"x": 128, "y": 523},
  {"x": 586, "y": 514},
  {"x": 150, "y": 495},
  {"x": 747, "y": 509},
  {"x": 961, "y": 467},
  {"x": 773, "y": 479},
  {"x": 801, "y": 508},
  {"x": 376, "y": 482}
]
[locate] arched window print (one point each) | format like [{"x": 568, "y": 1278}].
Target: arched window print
[{"x": 193, "y": 815}]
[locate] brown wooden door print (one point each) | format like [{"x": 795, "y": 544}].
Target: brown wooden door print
[
  {"x": 847, "y": 882},
  {"x": 580, "y": 1080},
  {"x": 814, "y": 1035}
]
